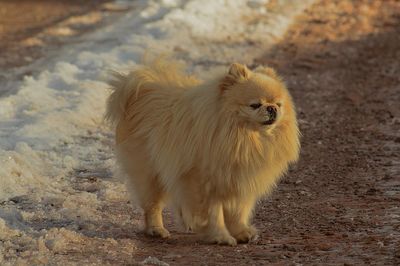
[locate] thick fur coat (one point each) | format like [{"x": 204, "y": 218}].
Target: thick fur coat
[{"x": 210, "y": 148}]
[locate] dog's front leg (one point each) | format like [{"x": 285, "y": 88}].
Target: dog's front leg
[
  {"x": 215, "y": 231},
  {"x": 237, "y": 219}
]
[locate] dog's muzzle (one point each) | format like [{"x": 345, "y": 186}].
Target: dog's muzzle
[{"x": 271, "y": 115}]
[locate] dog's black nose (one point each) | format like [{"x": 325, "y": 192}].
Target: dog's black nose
[{"x": 272, "y": 112}]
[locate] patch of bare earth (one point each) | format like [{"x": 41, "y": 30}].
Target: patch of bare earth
[{"x": 341, "y": 203}]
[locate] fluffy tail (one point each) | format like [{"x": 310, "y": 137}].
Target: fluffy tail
[
  {"x": 116, "y": 103},
  {"x": 152, "y": 75}
]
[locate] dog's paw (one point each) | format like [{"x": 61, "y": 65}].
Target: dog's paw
[
  {"x": 246, "y": 234},
  {"x": 157, "y": 232},
  {"x": 222, "y": 239}
]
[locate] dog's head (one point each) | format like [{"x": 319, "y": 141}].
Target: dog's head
[{"x": 257, "y": 98}]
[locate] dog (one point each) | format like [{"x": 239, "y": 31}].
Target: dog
[{"x": 209, "y": 148}]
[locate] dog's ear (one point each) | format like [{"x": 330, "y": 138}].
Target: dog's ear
[
  {"x": 237, "y": 72},
  {"x": 270, "y": 72}
]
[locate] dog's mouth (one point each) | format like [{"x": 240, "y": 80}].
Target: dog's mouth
[{"x": 268, "y": 122}]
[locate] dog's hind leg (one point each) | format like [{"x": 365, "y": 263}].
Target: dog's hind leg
[
  {"x": 153, "y": 206},
  {"x": 144, "y": 188},
  {"x": 151, "y": 197}
]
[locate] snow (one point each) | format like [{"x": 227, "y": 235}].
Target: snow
[{"x": 55, "y": 150}]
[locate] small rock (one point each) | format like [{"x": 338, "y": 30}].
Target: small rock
[
  {"x": 153, "y": 261},
  {"x": 324, "y": 246},
  {"x": 19, "y": 199},
  {"x": 372, "y": 191}
]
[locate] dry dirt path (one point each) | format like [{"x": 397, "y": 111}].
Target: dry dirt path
[{"x": 341, "y": 203}]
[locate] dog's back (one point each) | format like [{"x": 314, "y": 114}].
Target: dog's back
[{"x": 144, "y": 90}]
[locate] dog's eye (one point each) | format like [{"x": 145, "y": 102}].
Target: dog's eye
[
  {"x": 255, "y": 105},
  {"x": 279, "y": 104}
]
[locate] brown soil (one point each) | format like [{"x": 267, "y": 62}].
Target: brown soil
[{"x": 340, "y": 205}]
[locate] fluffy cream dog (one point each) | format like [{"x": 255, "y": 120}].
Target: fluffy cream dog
[{"x": 210, "y": 148}]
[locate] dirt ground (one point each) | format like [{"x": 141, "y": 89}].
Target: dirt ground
[{"x": 340, "y": 205}]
